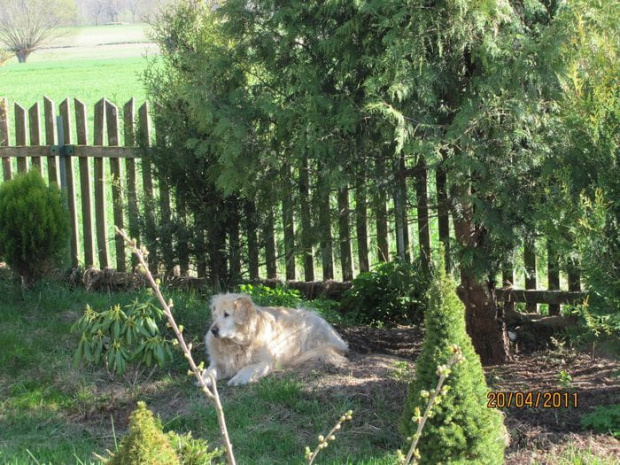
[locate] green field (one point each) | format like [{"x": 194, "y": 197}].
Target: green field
[{"x": 87, "y": 63}]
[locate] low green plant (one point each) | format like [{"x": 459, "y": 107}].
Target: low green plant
[
  {"x": 565, "y": 380},
  {"x": 278, "y": 296},
  {"x": 393, "y": 293},
  {"x": 34, "y": 226},
  {"x": 192, "y": 451},
  {"x": 123, "y": 339},
  {"x": 604, "y": 419},
  {"x": 146, "y": 442}
]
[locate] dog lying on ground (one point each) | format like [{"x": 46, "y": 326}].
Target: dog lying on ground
[{"x": 247, "y": 342}]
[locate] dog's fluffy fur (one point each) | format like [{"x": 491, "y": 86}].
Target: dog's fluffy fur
[{"x": 246, "y": 342}]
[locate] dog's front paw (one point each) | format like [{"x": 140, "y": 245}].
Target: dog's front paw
[
  {"x": 239, "y": 379},
  {"x": 206, "y": 377}
]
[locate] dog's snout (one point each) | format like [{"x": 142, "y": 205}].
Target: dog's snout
[{"x": 215, "y": 330}]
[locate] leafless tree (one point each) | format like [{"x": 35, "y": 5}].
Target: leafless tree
[{"x": 26, "y": 25}]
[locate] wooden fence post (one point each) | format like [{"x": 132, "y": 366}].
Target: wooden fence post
[
  {"x": 20, "y": 136},
  {"x": 361, "y": 218},
  {"x": 114, "y": 137},
  {"x": 381, "y": 217},
  {"x": 443, "y": 215},
  {"x": 322, "y": 202},
  {"x": 306, "y": 222},
  {"x": 34, "y": 121},
  {"x": 49, "y": 117},
  {"x": 424, "y": 236},
  {"x": 100, "y": 184},
  {"x": 288, "y": 221},
  {"x": 344, "y": 234},
  {"x": 252, "y": 233},
  {"x": 529, "y": 262},
  {"x": 133, "y": 212},
  {"x": 270, "y": 244},
  {"x": 4, "y": 138},
  {"x": 553, "y": 274},
  {"x": 66, "y": 160},
  {"x": 86, "y": 187},
  {"x": 150, "y": 234}
]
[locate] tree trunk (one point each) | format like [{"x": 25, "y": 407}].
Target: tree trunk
[
  {"x": 483, "y": 317},
  {"x": 22, "y": 55}
]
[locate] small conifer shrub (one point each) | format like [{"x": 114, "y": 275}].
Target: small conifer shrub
[
  {"x": 461, "y": 429},
  {"x": 146, "y": 443},
  {"x": 34, "y": 226}
]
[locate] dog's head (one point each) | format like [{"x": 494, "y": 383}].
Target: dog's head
[{"x": 232, "y": 315}]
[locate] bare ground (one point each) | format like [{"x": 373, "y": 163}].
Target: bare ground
[{"x": 536, "y": 434}]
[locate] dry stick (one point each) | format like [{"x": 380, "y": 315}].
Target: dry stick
[
  {"x": 443, "y": 372},
  {"x": 178, "y": 331}
]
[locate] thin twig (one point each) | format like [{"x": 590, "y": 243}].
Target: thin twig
[{"x": 212, "y": 392}]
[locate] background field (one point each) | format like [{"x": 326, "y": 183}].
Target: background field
[{"x": 87, "y": 63}]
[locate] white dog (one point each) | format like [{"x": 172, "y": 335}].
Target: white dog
[{"x": 246, "y": 342}]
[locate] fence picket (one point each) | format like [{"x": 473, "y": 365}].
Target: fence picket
[
  {"x": 114, "y": 139},
  {"x": 20, "y": 135},
  {"x": 7, "y": 172},
  {"x": 34, "y": 122},
  {"x": 74, "y": 241},
  {"x": 144, "y": 123},
  {"x": 49, "y": 118},
  {"x": 101, "y": 223},
  {"x": 529, "y": 262},
  {"x": 226, "y": 247},
  {"x": 129, "y": 118},
  {"x": 86, "y": 186},
  {"x": 344, "y": 234}
]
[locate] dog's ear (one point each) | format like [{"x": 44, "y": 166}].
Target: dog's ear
[{"x": 243, "y": 309}]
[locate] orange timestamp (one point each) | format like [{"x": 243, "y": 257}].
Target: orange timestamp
[{"x": 529, "y": 399}]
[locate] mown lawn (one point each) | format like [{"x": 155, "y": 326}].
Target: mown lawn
[{"x": 53, "y": 412}]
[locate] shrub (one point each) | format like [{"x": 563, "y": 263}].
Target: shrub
[
  {"x": 34, "y": 226},
  {"x": 462, "y": 429},
  {"x": 123, "y": 338},
  {"x": 605, "y": 419},
  {"x": 393, "y": 293},
  {"x": 192, "y": 451},
  {"x": 278, "y": 296},
  {"x": 146, "y": 443}
]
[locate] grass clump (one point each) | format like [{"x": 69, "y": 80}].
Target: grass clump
[{"x": 461, "y": 429}]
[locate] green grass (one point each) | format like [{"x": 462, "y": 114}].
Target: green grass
[
  {"x": 60, "y": 414},
  {"x": 54, "y": 413},
  {"x": 87, "y": 63}
]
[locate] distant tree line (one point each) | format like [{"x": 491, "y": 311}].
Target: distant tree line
[{"x": 98, "y": 12}]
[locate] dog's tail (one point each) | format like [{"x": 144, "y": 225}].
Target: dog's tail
[{"x": 325, "y": 354}]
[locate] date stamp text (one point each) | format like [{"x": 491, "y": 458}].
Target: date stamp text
[{"x": 530, "y": 399}]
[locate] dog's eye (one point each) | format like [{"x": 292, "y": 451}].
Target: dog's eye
[{"x": 226, "y": 315}]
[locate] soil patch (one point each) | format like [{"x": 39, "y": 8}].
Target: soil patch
[{"x": 377, "y": 363}]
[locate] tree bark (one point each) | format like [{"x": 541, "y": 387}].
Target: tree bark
[{"x": 483, "y": 316}]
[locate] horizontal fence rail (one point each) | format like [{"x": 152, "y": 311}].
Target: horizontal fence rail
[{"x": 306, "y": 232}]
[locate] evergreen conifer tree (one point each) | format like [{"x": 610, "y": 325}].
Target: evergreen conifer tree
[
  {"x": 462, "y": 429},
  {"x": 146, "y": 443}
]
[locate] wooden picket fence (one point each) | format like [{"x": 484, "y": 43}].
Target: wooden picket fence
[
  {"x": 57, "y": 143},
  {"x": 108, "y": 183}
]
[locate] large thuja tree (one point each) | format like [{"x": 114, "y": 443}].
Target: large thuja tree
[{"x": 468, "y": 87}]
